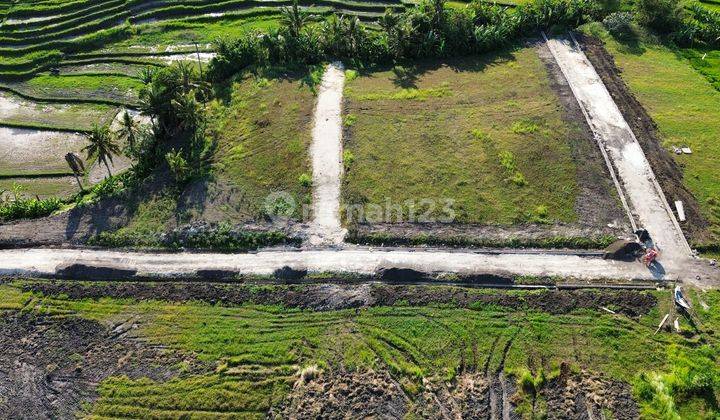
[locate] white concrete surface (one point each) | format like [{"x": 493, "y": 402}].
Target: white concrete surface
[
  {"x": 45, "y": 262},
  {"x": 326, "y": 156},
  {"x": 634, "y": 171}
]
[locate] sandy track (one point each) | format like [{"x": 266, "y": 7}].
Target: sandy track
[
  {"x": 326, "y": 155},
  {"x": 47, "y": 262},
  {"x": 633, "y": 169}
]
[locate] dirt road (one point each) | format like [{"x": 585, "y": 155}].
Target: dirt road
[
  {"x": 326, "y": 152},
  {"x": 636, "y": 177}
]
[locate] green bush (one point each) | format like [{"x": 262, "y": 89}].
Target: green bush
[
  {"x": 620, "y": 25},
  {"x": 20, "y": 207},
  {"x": 661, "y": 15}
]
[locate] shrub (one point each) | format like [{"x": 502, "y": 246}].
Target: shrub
[
  {"x": 20, "y": 207},
  {"x": 620, "y": 25},
  {"x": 305, "y": 181},
  {"x": 661, "y": 15},
  {"x": 348, "y": 159},
  {"x": 178, "y": 165}
]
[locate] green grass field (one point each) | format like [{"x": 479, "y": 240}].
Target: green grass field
[
  {"x": 459, "y": 130},
  {"x": 117, "y": 88},
  {"x": 42, "y": 187},
  {"x": 684, "y": 104},
  {"x": 254, "y": 351},
  {"x": 265, "y": 135}
]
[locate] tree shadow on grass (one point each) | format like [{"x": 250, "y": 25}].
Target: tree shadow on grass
[{"x": 406, "y": 74}]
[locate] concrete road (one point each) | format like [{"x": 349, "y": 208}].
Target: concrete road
[
  {"x": 636, "y": 178},
  {"x": 47, "y": 262}
]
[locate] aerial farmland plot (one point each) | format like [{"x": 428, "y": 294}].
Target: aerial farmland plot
[
  {"x": 452, "y": 141},
  {"x": 359, "y": 209}
]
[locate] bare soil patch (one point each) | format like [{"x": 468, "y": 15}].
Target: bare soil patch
[
  {"x": 49, "y": 366},
  {"x": 666, "y": 170},
  {"x": 585, "y": 396},
  {"x": 333, "y": 296},
  {"x": 338, "y": 395}
]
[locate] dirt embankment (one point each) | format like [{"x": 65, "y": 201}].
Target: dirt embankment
[
  {"x": 334, "y": 296},
  {"x": 667, "y": 171},
  {"x": 49, "y": 366}
]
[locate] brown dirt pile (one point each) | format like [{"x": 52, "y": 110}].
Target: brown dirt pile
[{"x": 334, "y": 296}]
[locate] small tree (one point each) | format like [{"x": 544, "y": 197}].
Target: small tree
[
  {"x": 128, "y": 130},
  {"x": 101, "y": 145},
  {"x": 294, "y": 19}
]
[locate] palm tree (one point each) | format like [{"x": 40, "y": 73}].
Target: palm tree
[
  {"x": 187, "y": 112},
  {"x": 101, "y": 145},
  {"x": 294, "y": 19},
  {"x": 128, "y": 130},
  {"x": 186, "y": 74}
]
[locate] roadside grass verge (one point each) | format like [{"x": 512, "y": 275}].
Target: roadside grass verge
[
  {"x": 684, "y": 104},
  {"x": 253, "y": 351},
  {"x": 556, "y": 242},
  {"x": 485, "y": 132}
]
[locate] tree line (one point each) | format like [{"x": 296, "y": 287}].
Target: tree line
[{"x": 434, "y": 30}]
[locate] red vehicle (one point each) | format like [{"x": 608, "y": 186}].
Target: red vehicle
[{"x": 650, "y": 256}]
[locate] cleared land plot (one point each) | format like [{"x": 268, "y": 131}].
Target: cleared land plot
[
  {"x": 685, "y": 105},
  {"x": 262, "y": 130},
  {"x": 241, "y": 355},
  {"x": 489, "y": 133},
  {"x": 15, "y": 111},
  {"x": 264, "y": 135}
]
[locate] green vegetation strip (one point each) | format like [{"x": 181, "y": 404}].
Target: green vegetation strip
[
  {"x": 34, "y": 126},
  {"x": 253, "y": 351}
]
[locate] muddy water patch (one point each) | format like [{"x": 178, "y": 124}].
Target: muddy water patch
[{"x": 26, "y": 151}]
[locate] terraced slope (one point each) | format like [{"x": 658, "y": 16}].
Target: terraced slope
[{"x": 38, "y": 34}]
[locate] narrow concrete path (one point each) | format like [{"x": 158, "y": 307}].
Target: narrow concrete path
[
  {"x": 326, "y": 153},
  {"x": 48, "y": 262},
  {"x": 635, "y": 174}
]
